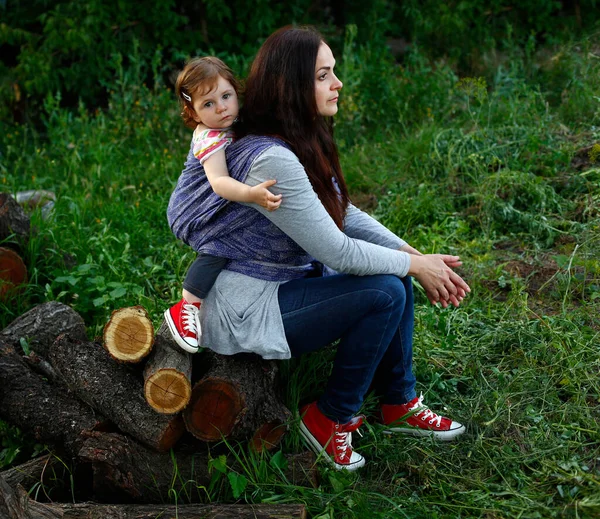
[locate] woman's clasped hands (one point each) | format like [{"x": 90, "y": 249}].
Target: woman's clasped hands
[{"x": 436, "y": 275}]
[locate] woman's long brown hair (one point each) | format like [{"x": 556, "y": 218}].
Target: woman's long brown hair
[{"x": 280, "y": 100}]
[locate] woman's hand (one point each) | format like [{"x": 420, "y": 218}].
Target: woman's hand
[{"x": 441, "y": 283}]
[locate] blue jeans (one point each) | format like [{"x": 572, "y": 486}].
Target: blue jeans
[{"x": 373, "y": 318}]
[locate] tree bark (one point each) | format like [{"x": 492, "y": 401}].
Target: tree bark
[
  {"x": 41, "y": 366},
  {"x": 129, "y": 334},
  {"x": 16, "y": 504},
  {"x": 237, "y": 399},
  {"x": 113, "y": 390},
  {"x": 13, "y": 219},
  {"x": 41, "y": 325},
  {"x": 125, "y": 470},
  {"x": 29, "y": 473},
  {"x": 37, "y": 407},
  {"x": 167, "y": 375},
  {"x": 13, "y": 272}
]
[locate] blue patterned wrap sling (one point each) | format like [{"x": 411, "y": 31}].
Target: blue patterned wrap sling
[{"x": 216, "y": 226}]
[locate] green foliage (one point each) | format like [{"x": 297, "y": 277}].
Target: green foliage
[
  {"x": 464, "y": 30},
  {"x": 74, "y": 47},
  {"x": 520, "y": 203},
  {"x": 378, "y": 93},
  {"x": 77, "y": 48},
  {"x": 14, "y": 445},
  {"x": 572, "y": 81}
]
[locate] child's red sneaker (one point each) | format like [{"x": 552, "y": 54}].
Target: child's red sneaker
[
  {"x": 183, "y": 323},
  {"x": 416, "y": 419},
  {"x": 332, "y": 439}
]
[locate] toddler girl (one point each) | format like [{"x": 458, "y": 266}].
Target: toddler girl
[{"x": 208, "y": 92}]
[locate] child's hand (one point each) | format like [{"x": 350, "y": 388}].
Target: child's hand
[{"x": 262, "y": 196}]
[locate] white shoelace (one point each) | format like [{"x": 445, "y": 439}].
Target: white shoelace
[
  {"x": 427, "y": 413},
  {"x": 189, "y": 317},
  {"x": 343, "y": 441}
]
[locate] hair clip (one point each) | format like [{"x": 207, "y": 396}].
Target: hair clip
[{"x": 186, "y": 97}]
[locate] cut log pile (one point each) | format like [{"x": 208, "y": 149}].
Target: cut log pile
[
  {"x": 112, "y": 411},
  {"x": 131, "y": 419}
]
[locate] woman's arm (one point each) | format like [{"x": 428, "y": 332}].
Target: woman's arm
[
  {"x": 359, "y": 224},
  {"x": 304, "y": 219}
]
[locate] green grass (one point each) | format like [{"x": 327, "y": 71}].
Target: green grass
[{"x": 496, "y": 178}]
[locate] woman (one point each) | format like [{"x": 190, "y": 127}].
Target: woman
[{"x": 272, "y": 299}]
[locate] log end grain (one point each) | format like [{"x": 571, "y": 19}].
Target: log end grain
[
  {"x": 268, "y": 436},
  {"x": 215, "y": 407},
  {"x": 13, "y": 272},
  {"x": 129, "y": 334},
  {"x": 168, "y": 391}
]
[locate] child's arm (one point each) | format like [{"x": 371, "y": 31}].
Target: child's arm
[{"x": 223, "y": 185}]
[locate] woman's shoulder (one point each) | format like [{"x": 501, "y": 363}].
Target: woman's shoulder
[
  {"x": 279, "y": 162},
  {"x": 265, "y": 143},
  {"x": 268, "y": 147}
]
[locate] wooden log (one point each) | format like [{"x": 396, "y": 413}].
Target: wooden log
[
  {"x": 129, "y": 334},
  {"x": 113, "y": 390},
  {"x": 13, "y": 220},
  {"x": 29, "y": 473},
  {"x": 39, "y": 408},
  {"x": 49, "y": 477},
  {"x": 124, "y": 470},
  {"x": 11, "y": 506},
  {"x": 41, "y": 325},
  {"x": 16, "y": 504},
  {"x": 13, "y": 272},
  {"x": 167, "y": 374},
  {"x": 238, "y": 399},
  {"x": 41, "y": 366}
]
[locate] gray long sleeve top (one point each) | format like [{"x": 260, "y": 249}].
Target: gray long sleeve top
[{"x": 241, "y": 313}]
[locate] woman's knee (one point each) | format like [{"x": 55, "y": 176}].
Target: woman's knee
[{"x": 393, "y": 286}]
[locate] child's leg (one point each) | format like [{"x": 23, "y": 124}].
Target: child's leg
[
  {"x": 182, "y": 318},
  {"x": 201, "y": 276},
  {"x": 189, "y": 297}
]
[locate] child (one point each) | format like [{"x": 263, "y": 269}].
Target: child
[{"x": 208, "y": 91}]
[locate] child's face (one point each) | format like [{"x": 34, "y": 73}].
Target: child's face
[{"x": 217, "y": 108}]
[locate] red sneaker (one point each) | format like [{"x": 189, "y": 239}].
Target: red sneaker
[
  {"x": 332, "y": 439},
  {"x": 184, "y": 325},
  {"x": 416, "y": 419}
]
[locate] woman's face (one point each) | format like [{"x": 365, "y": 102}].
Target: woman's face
[{"x": 327, "y": 85}]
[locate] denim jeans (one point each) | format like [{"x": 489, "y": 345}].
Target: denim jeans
[{"x": 373, "y": 318}]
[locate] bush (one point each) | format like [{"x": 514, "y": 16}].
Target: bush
[{"x": 464, "y": 30}]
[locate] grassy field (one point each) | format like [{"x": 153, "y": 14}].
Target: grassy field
[{"x": 500, "y": 169}]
